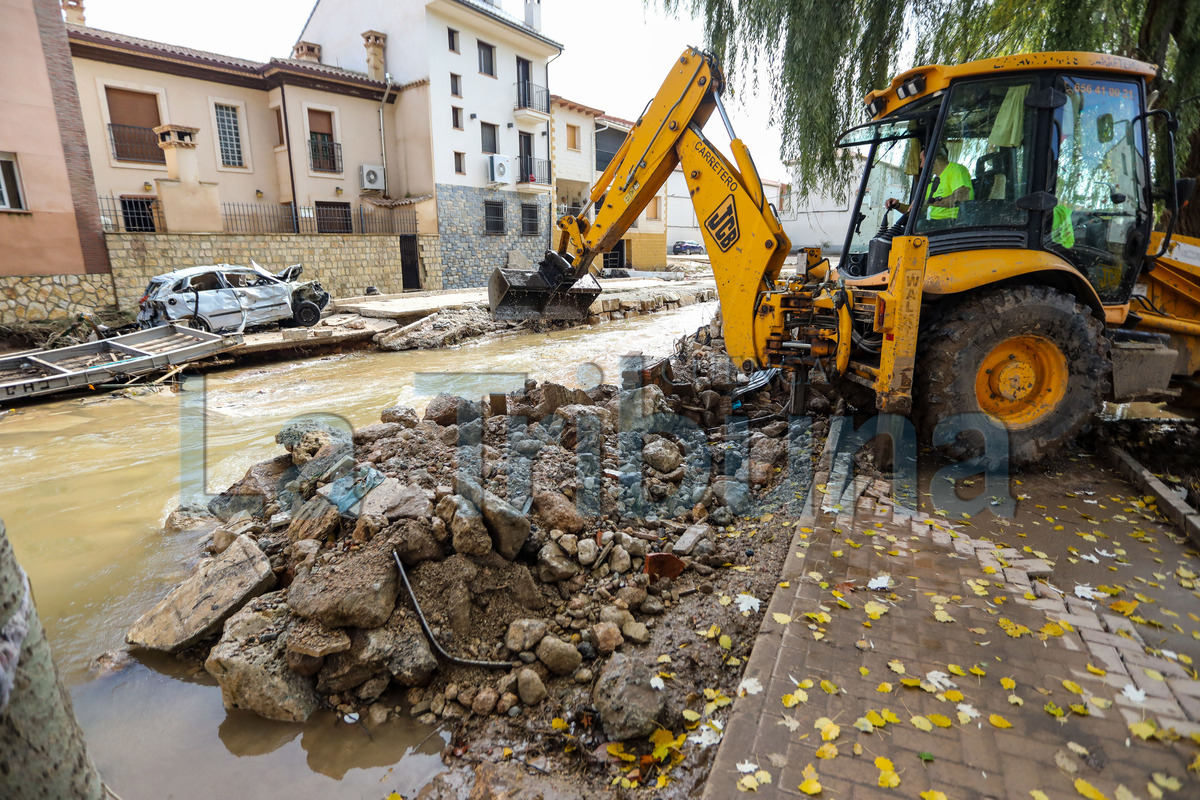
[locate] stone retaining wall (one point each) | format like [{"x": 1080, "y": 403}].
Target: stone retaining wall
[
  {"x": 344, "y": 264},
  {"x": 469, "y": 253},
  {"x": 34, "y": 298},
  {"x": 609, "y": 308}
]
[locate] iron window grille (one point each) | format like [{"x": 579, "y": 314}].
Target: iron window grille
[
  {"x": 493, "y": 216},
  {"x": 325, "y": 155},
  {"x": 132, "y": 143},
  {"x": 530, "y": 224}
]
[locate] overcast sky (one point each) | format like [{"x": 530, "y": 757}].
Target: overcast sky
[{"x": 616, "y": 52}]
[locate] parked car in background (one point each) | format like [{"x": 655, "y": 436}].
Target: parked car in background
[
  {"x": 224, "y": 297},
  {"x": 688, "y": 247}
]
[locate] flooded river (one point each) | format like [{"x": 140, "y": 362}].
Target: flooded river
[{"x": 87, "y": 482}]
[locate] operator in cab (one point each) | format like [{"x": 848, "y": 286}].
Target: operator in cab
[{"x": 953, "y": 187}]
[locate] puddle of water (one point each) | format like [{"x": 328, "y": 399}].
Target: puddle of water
[{"x": 87, "y": 484}]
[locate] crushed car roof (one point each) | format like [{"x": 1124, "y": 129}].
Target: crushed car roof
[{"x": 187, "y": 272}]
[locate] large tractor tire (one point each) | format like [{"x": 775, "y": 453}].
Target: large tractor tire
[{"x": 1030, "y": 359}]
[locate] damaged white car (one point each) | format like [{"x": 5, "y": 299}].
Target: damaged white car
[{"x": 224, "y": 297}]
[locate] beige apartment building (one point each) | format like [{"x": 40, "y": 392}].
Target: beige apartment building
[{"x": 584, "y": 140}]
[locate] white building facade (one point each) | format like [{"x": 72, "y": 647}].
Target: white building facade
[{"x": 471, "y": 126}]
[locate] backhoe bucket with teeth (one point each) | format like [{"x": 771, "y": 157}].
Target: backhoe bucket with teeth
[{"x": 552, "y": 293}]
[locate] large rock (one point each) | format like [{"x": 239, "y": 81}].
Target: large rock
[
  {"x": 629, "y": 706},
  {"x": 663, "y": 455},
  {"x": 316, "y": 519},
  {"x": 309, "y": 438},
  {"x": 258, "y": 488},
  {"x": 448, "y": 409},
  {"x": 308, "y": 637},
  {"x": 414, "y": 541},
  {"x": 197, "y": 607},
  {"x": 412, "y": 503},
  {"x": 358, "y": 590},
  {"x": 554, "y": 565},
  {"x": 402, "y": 415},
  {"x": 508, "y": 526},
  {"x": 398, "y": 649},
  {"x": 639, "y": 404},
  {"x": 557, "y": 512},
  {"x": 250, "y": 664},
  {"x": 561, "y": 658},
  {"x": 468, "y": 534},
  {"x": 373, "y": 433}
]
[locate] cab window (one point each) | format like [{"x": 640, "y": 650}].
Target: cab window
[
  {"x": 1098, "y": 177},
  {"x": 981, "y": 160}
]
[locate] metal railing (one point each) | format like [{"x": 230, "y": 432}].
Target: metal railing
[
  {"x": 130, "y": 215},
  {"x": 564, "y": 209},
  {"x": 603, "y": 157},
  {"x": 533, "y": 170},
  {"x": 365, "y": 219},
  {"x": 131, "y": 143},
  {"x": 324, "y": 156},
  {"x": 533, "y": 97}
]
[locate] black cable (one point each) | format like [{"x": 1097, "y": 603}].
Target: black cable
[{"x": 466, "y": 662}]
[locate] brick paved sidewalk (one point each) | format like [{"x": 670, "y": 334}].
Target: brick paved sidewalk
[{"x": 1002, "y": 626}]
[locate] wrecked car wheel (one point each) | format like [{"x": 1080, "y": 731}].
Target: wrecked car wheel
[{"x": 307, "y": 314}]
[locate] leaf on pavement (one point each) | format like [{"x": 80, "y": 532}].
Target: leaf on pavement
[
  {"x": 1087, "y": 790},
  {"x": 999, "y": 721}
]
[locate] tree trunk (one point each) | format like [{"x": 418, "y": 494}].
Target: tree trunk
[
  {"x": 42, "y": 752},
  {"x": 1188, "y": 223}
]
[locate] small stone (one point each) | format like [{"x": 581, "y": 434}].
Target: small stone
[
  {"x": 506, "y": 701},
  {"x": 560, "y": 657},
  {"x": 662, "y": 454},
  {"x": 587, "y": 552},
  {"x": 524, "y": 634},
  {"x": 583, "y": 675},
  {"x": 485, "y": 701},
  {"x": 652, "y": 606},
  {"x": 607, "y": 637},
  {"x": 620, "y": 560},
  {"x": 530, "y": 687},
  {"x": 636, "y": 632},
  {"x": 378, "y": 714}
]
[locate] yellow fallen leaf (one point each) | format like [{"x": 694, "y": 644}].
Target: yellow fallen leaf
[
  {"x": 829, "y": 687},
  {"x": 941, "y": 615},
  {"x": 558, "y": 723},
  {"x": 884, "y": 764},
  {"x": 955, "y": 669},
  {"x": 1008, "y": 683},
  {"x": 896, "y": 666},
  {"x": 747, "y": 783},
  {"x": 999, "y": 721},
  {"x": 875, "y": 718},
  {"x": 1087, "y": 790},
  {"x": 890, "y": 716},
  {"x": 1038, "y": 794},
  {"x": 865, "y": 725},
  {"x": 884, "y": 687},
  {"x": 1096, "y": 670},
  {"x": 933, "y": 794},
  {"x": 782, "y": 619},
  {"x": 921, "y": 723},
  {"x": 940, "y": 720},
  {"x": 1154, "y": 792},
  {"x": 1073, "y": 687},
  {"x": 889, "y": 779},
  {"x": 875, "y": 610},
  {"x": 1016, "y": 701},
  {"x": 1125, "y": 607},
  {"x": 864, "y": 671},
  {"x": 1144, "y": 729},
  {"x": 725, "y": 642},
  {"x": 811, "y": 785},
  {"x": 827, "y": 750},
  {"x": 1166, "y": 781},
  {"x": 830, "y": 732},
  {"x": 954, "y": 696},
  {"x": 978, "y": 671},
  {"x": 1153, "y": 674},
  {"x": 691, "y": 716}
]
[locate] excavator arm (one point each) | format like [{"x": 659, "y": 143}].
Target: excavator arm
[{"x": 741, "y": 231}]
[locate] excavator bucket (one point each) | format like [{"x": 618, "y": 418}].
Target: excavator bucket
[{"x": 551, "y": 293}]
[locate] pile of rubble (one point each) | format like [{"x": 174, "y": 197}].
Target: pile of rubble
[{"x": 544, "y": 534}]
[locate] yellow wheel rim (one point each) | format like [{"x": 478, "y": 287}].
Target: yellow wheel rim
[{"x": 1021, "y": 381}]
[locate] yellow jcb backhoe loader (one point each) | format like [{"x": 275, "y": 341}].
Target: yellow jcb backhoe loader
[{"x": 1003, "y": 296}]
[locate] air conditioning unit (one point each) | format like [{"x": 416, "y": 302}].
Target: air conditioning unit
[
  {"x": 371, "y": 176},
  {"x": 499, "y": 169}
]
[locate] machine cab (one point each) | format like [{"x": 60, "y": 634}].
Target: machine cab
[{"x": 1031, "y": 156}]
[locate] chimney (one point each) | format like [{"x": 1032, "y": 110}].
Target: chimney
[
  {"x": 375, "y": 43},
  {"x": 178, "y": 143},
  {"x": 189, "y": 205},
  {"x": 307, "y": 51},
  {"x": 533, "y": 14},
  {"x": 73, "y": 11}
]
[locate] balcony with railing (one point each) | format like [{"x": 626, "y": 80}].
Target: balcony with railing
[
  {"x": 533, "y": 103},
  {"x": 131, "y": 143},
  {"x": 533, "y": 174},
  {"x": 324, "y": 156}
]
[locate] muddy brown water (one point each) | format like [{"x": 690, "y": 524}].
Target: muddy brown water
[{"x": 86, "y": 484}]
